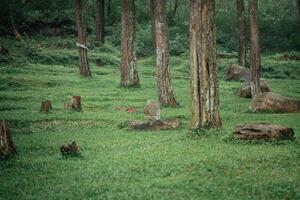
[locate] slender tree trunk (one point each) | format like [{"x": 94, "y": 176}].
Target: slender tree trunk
[
  {"x": 241, "y": 32},
  {"x": 255, "y": 60},
  {"x": 129, "y": 74},
  {"x": 100, "y": 21},
  {"x": 298, "y": 5},
  {"x": 173, "y": 15},
  {"x": 152, "y": 24},
  {"x": 84, "y": 68},
  {"x": 203, "y": 67},
  {"x": 164, "y": 88},
  {"x": 109, "y": 7}
]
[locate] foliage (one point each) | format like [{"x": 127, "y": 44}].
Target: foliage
[{"x": 278, "y": 22}]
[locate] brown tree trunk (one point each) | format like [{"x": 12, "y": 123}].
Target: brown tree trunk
[
  {"x": 7, "y": 147},
  {"x": 241, "y": 32},
  {"x": 128, "y": 68},
  {"x": 100, "y": 21},
  {"x": 203, "y": 67},
  {"x": 164, "y": 88},
  {"x": 84, "y": 68},
  {"x": 152, "y": 24},
  {"x": 255, "y": 60}
]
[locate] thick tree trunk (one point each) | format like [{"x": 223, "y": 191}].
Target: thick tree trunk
[
  {"x": 255, "y": 60},
  {"x": 203, "y": 67},
  {"x": 84, "y": 68},
  {"x": 128, "y": 68},
  {"x": 152, "y": 24},
  {"x": 164, "y": 88},
  {"x": 241, "y": 32},
  {"x": 100, "y": 21}
]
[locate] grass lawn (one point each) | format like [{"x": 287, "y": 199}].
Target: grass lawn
[{"x": 116, "y": 163}]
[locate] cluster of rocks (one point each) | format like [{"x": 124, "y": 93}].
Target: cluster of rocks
[
  {"x": 153, "y": 121},
  {"x": 265, "y": 102}
]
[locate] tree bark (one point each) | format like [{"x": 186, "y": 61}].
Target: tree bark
[
  {"x": 128, "y": 68},
  {"x": 100, "y": 21},
  {"x": 152, "y": 24},
  {"x": 84, "y": 68},
  {"x": 203, "y": 67},
  {"x": 164, "y": 88},
  {"x": 255, "y": 59},
  {"x": 241, "y": 32},
  {"x": 7, "y": 147}
]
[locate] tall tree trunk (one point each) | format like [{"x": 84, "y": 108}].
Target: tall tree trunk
[
  {"x": 298, "y": 5},
  {"x": 241, "y": 32},
  {"x": 129, "y": 74},
  {"x": 100, "y": 21},
  {"x": 164, "y": 88},
  {"x": 255, "y": 60},
  {"x": 84, "y": 68},
  {"x": 152, "y": 24},
  {"x": 203, "y": 67},
  {"x": 109, "y": 7},
  {"x": 174, "y": 9}
]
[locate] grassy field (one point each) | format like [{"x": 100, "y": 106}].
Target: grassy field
[{"x": 116, "y": 163}]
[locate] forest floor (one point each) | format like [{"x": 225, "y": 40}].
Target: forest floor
[{"x": 116, "y": 163}]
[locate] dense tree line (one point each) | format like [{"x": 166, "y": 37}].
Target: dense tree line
[{"x": 279, "y": 21}]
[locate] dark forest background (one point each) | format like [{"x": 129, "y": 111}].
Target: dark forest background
[{"x": 279, "y": 23}]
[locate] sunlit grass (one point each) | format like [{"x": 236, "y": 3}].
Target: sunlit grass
[{"x": 121, "y": 164}]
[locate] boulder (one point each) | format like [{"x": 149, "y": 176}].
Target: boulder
[
  {"x": 270, "y": 102},
  {"x": 264, "y": 131},
  {"x": 155, "y": 125},
  {"x": 152, "y": 110},
  {"x": 7, "y": 147},
  {"x": 237, "y": 73},
  {"x": 245, "y": 90}
]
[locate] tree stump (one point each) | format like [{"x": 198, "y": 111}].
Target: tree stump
[
  {"x": 270, "y": 102},
  {"x": 152, "y": 110},
  {"x": 46, "y": 106},
  {"x": 245, "y": 90},
  {"x": 69, "y": 149},
  {"x": 76, "y": 103},
  {"x": 264, "y": 131},
  {"x": 155, "y": 125},
  {"x": 237, "y": 73},
  {"x": 7, "y": 147}
]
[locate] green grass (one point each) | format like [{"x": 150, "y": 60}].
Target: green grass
[{"x": 120, "y": 164}]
